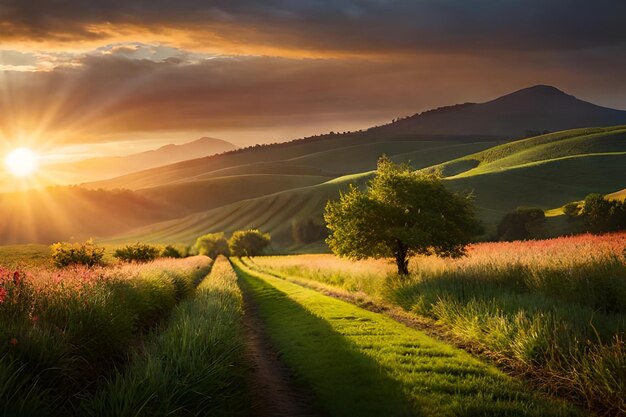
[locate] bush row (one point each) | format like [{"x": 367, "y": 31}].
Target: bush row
[
  {"x": 242, "y": 243},
  {"x": 64, "y": 254}
]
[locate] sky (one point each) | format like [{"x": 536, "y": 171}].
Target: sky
[{"x": 118, "y": 76}]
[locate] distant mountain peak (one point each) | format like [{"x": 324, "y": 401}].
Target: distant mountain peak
[
  {"x": 205, "y": 140},
  {"x": 538, "y": 92},
  {"x": 538, "y": 108},
  {"x": 543, "y": 88}
]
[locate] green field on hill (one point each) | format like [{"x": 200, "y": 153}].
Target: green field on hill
[{"x": 545, "y": 171}]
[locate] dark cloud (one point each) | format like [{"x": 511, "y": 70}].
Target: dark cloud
[
  {"x": 114, "y": 95},
  {"x": 335, "y": 25}
]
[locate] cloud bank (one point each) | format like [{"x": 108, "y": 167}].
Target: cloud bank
[{"x": 112, "y": 69}]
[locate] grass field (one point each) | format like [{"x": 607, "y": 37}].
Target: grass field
[
  {"x": 556, "y": 307},
  {"x": 62, "y": 330},
  {"x": 227, "y": 190},
  {"x": 24, "y": 256},
  {"x": 193, "y": 366},
  {"x": 360, "y": 363},
  {"x": 139, "y": 340},
  {"x": 537, "y": 149}
]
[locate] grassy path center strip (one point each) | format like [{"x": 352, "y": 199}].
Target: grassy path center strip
[{"x": 360, "y": 363}]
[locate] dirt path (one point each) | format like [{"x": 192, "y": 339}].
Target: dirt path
[{"x": 274, "y": 392}]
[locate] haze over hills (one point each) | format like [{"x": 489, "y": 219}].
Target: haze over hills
[
  {"x": 274, "y": 187},
  {"x": 74, "y": 213},
  {"x": 535, "y": 109},
  {"x": 109, "y": 167}
]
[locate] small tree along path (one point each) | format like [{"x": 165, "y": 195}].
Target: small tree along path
[{"x": 273, "y": 390}]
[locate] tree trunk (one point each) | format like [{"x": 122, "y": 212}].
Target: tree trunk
[{"x": 402, "y": 259}]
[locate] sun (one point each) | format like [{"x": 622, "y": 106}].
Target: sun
[{"x": 21, "y": 162}]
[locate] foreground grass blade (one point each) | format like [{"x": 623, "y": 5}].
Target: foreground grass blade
[
  {"x": 360, "y": 363},
  {"x": 192, "y": 367}
]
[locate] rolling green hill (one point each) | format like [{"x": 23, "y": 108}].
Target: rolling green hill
[
  {"x": 334, "y": 154},
  {"x": 544, "y": 184},
  {"x": 187, "y": 189},
  {"x": 363, "y": 157},
  {"x": 541, "y": 148},
  {"x": 545, "y": 171},
  {"x": 194, "y": 196},
  {"x": 274, "y": 213}
]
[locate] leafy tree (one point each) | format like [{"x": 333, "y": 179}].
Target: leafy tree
[
  {"x": 65, "y": 254},
  {"x": 138, "y": 252},
  {"x": 212, "y": 245},
  {"x": 401, "y": 213},
  {"x": 523, "y": 223},
  {"x": 602, "y": 215},
  {"x": 248, "y": 242},
  {"x": 571, "y": 210}
]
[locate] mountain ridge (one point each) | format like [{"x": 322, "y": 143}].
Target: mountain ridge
[
  {"x": 536, "y": 109},
  {"x": 101, "y": 168}
]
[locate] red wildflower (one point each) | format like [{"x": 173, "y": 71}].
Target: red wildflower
[
  {"x": 3, "y": 294},
  {"x": 17, "y": 277},
  {"x": 13, "y": 341}
]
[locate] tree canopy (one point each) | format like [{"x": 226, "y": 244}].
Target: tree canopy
[
  {"x": 401, "y": 213},
  {"x": 603, "y": 215},
  {"x": 523, "y": 223},
  {"x": 248, "y": 242},
  {"x": 212, "y": 245}
]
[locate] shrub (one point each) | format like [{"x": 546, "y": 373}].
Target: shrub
[
  {"x": 64, "y": 254},
  {"x": 171, "y": 252},
  {"x": 523, "y": 223},
  {"x": 602, "y": 215},
  {"x": 212, "y": 245},
  {"x": 248, "y": 242},
  {"x": 571, "y": 210},
  {"x": 138, "y": 252}
]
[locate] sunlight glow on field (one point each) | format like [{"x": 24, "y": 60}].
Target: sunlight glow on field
[{"x": 21, "y": 162}]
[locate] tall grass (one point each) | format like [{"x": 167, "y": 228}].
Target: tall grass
[
  {"x": 360, "y": 363},
  {"x": 556, "y": 308},
  {"x": 193, "y": 366},
  {"x": 61, "y": 330}
]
